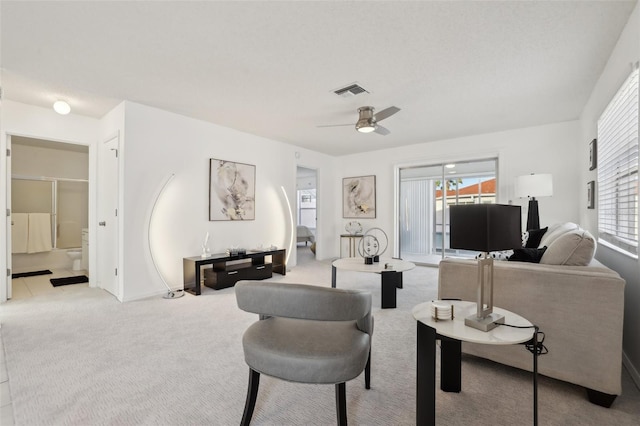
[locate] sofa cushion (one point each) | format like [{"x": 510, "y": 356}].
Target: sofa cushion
[
  {"x": 527, "y": 254},
  {"x": 575, "y": 248},
  {"x": 534, "y": 237},
  {"x": 555, "y": 231}
]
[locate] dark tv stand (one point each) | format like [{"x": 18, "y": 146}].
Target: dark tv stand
[{"x": 227, "y": 270}]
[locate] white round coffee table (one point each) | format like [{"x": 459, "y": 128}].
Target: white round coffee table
[{"x": 390, "y": 270}]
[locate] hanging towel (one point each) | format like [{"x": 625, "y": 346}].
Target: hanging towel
[
  {"x": 19, "y": 232},
  {"x": 39, "y": 233}
]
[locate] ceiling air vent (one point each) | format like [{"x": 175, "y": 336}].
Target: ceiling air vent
[{"x": 351, "y": 90}]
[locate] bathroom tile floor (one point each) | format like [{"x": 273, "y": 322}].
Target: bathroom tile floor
[
  {"x": 40, "y": 284},
  {"x": 23, "y": 288}
]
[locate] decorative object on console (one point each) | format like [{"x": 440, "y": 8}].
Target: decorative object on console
[
  {"x": 593, "y": 154},
  {"x": 232, "y": 190},
  {"x": 359, "y": 197},
  {"x": 206, "y": 251},
  {"x": 353, "y": 227},
  {"x": 485, "y": 227},
  {"x": 373, "y": 244},
  {"x": 591, "y": 195},
  {"x": 532, "y": 186}
]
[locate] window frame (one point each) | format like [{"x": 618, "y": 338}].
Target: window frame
[{"x": 617, "y": 171}]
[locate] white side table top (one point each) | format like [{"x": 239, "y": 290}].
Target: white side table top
[
  {"x": 385, "y": 264},
  {"x": 456, "y": 329}
]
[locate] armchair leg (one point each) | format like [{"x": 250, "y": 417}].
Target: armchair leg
[
  {"x": 367, "y": 372},
  {"x": 252, "y": 394},
  {"x": 341, "y": 403}
]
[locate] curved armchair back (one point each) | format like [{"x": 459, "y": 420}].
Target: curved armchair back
[{"x": 272, "y": 299}]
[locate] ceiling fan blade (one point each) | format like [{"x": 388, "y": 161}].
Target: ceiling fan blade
[
  {"x": 386, "y": 113},
  {"x": 335, "y": 125},
  {"x": 381, "y": 130}
]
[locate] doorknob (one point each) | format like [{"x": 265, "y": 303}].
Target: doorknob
[{"x": 102, "y": 223}]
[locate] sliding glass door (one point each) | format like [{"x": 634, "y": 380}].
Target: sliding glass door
[{"x": 426, "y": 192}]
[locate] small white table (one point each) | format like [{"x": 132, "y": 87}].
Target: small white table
[
  {"x": 390, "y": 269},
  {"x": 451, "y": 333}
]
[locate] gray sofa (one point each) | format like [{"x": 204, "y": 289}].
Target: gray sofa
[{"x": 579, "y": 308}]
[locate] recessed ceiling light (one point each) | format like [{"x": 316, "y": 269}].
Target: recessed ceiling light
[
  {"x": 61, "y": 107},
  {"x": 450, "y": 166},
  {"x": 453, "y": 172}
]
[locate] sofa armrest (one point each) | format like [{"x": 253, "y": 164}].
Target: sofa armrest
[{"x": 579, "y": 308}]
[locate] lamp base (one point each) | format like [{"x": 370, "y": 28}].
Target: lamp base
[
  {"x": 487, "y": 323},
  {"x": 173, "y": 294}
]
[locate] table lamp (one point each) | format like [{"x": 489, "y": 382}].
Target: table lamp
[
  {"x": 533, "y": 186},
  {"x": 485, "y": 228}
]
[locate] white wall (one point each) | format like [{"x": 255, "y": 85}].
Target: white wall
[
  {"x": 41, "y": 123},
  {"x": 542, "y": 149},
  {"x": 158, "y": 143},
  {"x": 626, "y": 52}
]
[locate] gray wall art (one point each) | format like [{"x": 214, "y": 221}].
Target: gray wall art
[
  {"x": 359, "y": 197},
  {"x": 232, "y": 190}
]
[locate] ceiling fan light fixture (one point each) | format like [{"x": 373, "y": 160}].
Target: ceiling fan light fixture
[
  {"x": 366, "y": 123},
  {"x": 61, "y": 107},
  {"x": 365, "y": 126}
]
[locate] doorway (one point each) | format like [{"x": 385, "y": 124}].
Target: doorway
[
  {"x": 48, "y": 196},
  {"x": 426, "y": 192},
  {"x": 306, "y": 220}
]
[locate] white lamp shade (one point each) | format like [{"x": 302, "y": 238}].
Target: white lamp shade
[{"x": 534, "y": 186}]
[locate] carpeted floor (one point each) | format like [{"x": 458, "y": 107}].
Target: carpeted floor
[{"x": 82, "y": 358}]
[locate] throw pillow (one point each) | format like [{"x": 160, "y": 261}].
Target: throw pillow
[
  {"x": 574, "y": 248},
  {"x": 528, "y": 254},
  {"x": 555, "y": 231},
  {"x": 535, "y": 235}
]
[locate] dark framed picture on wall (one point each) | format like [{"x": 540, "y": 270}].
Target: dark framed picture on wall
[
  {"x": 359, "y": 197},
  {"x": 593, "y": 154},
  {"x": 591, "y": 195},
  {"x": 232, "y": 190}
]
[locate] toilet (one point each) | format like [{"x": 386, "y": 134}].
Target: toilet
[{"x": 76, "y": 256}]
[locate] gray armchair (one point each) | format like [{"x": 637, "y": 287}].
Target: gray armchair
[{"x": 306, "y": 334}]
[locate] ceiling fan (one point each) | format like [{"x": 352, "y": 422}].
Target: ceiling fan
[{"x": 368, "y": 121}]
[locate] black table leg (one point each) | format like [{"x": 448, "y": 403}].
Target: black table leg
[
  {"x": 450, "y": 364},
  {"x": 333, "y": 276},
  {"x": 197, "y": 289},
  {"x": 426, "y": 376},
  {"x": 390, "y": 280}
]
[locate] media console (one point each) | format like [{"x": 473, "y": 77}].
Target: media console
[{"x": 227, "y": 270}]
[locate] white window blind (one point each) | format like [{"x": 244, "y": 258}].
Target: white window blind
[{"x": 618, "y": 169}]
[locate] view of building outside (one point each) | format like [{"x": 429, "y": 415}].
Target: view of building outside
[{"x": 425, "y": 196}]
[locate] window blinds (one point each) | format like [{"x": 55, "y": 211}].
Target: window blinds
[{"x": 618, "y": 169}]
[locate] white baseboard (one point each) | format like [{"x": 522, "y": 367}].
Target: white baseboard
[{"x": 635, "y": 375}]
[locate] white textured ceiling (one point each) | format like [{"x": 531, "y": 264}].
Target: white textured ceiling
[{"x": 268, "y": 68}]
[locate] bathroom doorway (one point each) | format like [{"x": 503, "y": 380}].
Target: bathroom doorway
[
  {"x": 306, "y": 220},
  {"x": 49, "y": 189}
]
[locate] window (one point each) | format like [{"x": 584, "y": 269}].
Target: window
[{"x": 618, "y": 169}]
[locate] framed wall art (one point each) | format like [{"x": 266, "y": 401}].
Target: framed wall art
[
  {"x": 232, "y": 190},
  {"x": 593, "y": 154},
  {"x": 591, "y": 195},
  {"x": 359, "y": 197}
]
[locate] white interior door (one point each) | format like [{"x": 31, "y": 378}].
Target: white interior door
[{"x": 108, "y": 220}]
